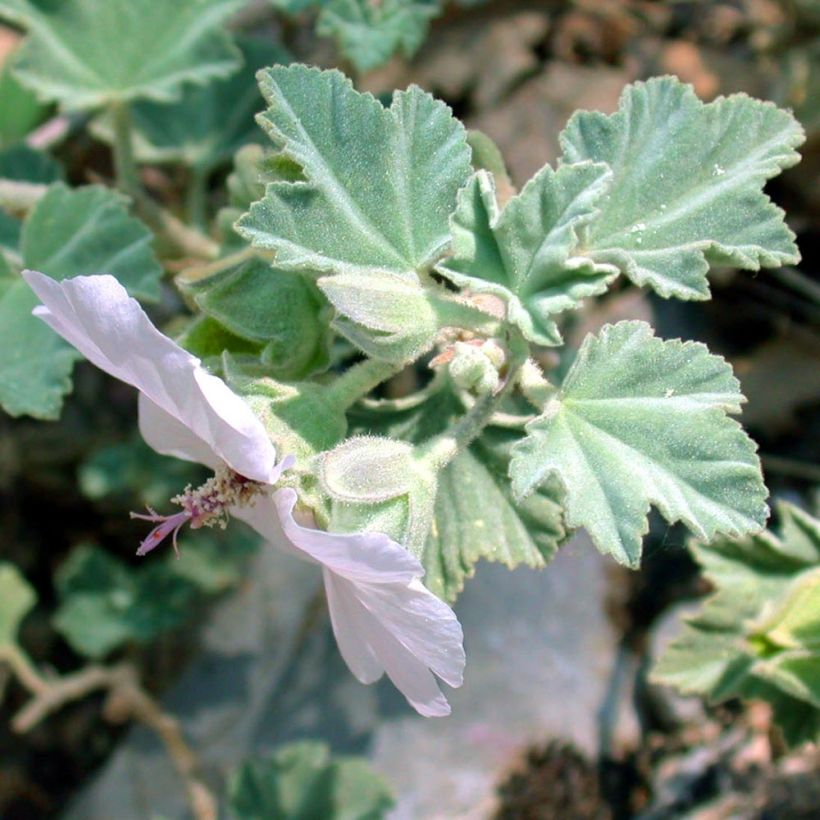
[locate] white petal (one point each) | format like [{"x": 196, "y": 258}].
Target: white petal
[
  {"x": 96, "y": 315},
  {"x": 170, "y": 437},
  {"x": 350, "y": 626},
  {"x": 361, "y": 556},
  {"x": 367, "y": 641}
]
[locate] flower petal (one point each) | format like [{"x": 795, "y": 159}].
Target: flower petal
[
  {"x": 368, "y": 640},
  {"x": 361, "y": 556},
  {"x": 96, "y": 315}
]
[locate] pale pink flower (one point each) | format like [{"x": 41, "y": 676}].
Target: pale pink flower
[{"x": 383, "y": 618}]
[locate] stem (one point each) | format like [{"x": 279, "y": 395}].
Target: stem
[
  {"x": 196, "y": 198},
  {"x": 188, "y": 240},
  {"x": 440, "y": 450},
  {"x": 359, "y": 380},
  {"x": 126, "y": 698},
  {"x": 124, "y": 163}
]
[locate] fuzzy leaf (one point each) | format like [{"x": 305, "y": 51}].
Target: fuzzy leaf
[
  {"x": 17, "y": 597},
  {"x": 523, "y": 254},
  {"x": 69, "y": 233},
  {"x": 687, "y": 184},
  {"x": 641, "y": 421},
  {"x": 24, "y": 164},
  {"x": 20, "y": 111},
  {"x": 731, "y": 647},
  {"x": 369, "y": 33},
  {"x": 381, "y": 183},
  {"x": 209, "y": 123},
  {"x": 281, "y": 313},
  {"x": 475, "y": 514},
  {"x": 85, "y": 54},
  {"x": 302, "y": 781}
]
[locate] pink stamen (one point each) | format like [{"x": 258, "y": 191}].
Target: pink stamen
[{"x": 168, "y": 524}]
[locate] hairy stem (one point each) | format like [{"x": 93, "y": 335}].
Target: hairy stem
[
  {"x": 126, "y": 699},
  {"x": 125, "y": 166},
  {"x": 359, "y": 380},
  {"x": 440, "y": 450},
  {"x": 186, "y": 239}
]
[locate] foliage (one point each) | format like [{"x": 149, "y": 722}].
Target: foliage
[
  {"x": 302, "y": 780},
  {"x": 757, "y": 635}
]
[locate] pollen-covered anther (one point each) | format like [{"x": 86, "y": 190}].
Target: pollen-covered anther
[{"x": 205, "y": 506}]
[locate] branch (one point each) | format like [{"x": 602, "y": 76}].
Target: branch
[{"x": 126, "y": 699}]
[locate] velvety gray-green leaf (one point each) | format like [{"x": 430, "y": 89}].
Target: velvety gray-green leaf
[
  {"x": 209, "y": 123},
  {"x": 302, "y": 781},
  {"x": 743, "y": 642},
  {"x": 85, "y": 54},
  {"x": 20, "y": 111},
  {"x": 641, "y": 421},
  {"x": 524, "y": 253},
  {"x": 687, "y": 184},
  {"x": 17, "y": 597},
  {"x": 381, "y": 183},
  {"x": 69, "y": 233},
  {"x": 369, "y": 33}
]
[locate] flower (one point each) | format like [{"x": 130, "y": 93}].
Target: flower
[{"x": 383, "y": 618}]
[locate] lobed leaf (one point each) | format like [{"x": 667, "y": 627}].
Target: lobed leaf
[
  {"x": 641, "y": 421},
  {"x": 68, "y": 233},
  {"x": 687, "y": 184},
  {"x": 757, "y": 635},
  {"x": 523, "y": 253},
  {"x": 17, "y": 598},
  {"x": 368, "y": 33},
  {"x": 301, "y": 781},
  {"x": 85, "y": 54},
  {"x": 380, "y": 183},
  {"x": 210, "y": 122}
]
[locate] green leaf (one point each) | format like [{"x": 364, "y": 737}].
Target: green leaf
[
  {"x": 86, "y": 231},
  {"x": 105, "y": 604},
  {"x": 209, "y": 123},
  {"x": 68, "y": 233},
  {"x": 302, "y": 781},
  {"x": 641, "y": 421},
  {"x": 687, "y": 184},
  {"x": 17, "y": 598},
  {"x": 35, "y": 363},
  {"x": 381, "y": 183},
  {"x": 20, "y": 112},
  {"x": 368, "y": 33},
  {"x": 85, "y": 54},
  {"x": 731, "y": 648},
  {"x": 281, "y": 312},
  {"x": 25, "y": 164},
  {"x": 523, "y": 254},
  {"x": 131, "y": 472},
  {"x": 476, "y": 516}
]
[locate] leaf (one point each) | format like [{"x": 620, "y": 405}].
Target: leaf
[
  {"x": 523, "y": 253},
  {"x": 69, "y": 233},
  {"x": 105, "y": 604},
  {"x": 642, "y": 421},
  {"x": 687, "y": 184},
  {"x": 131, "y": 472},
  {"x": 17, "y": 599},
  {"x": 730, "y": 648},
  {"x": 381, "y": 183},
  {"x": 476, "y": 516},
  {"x": 282, "y": 312},
  {"x": 369, "y": 33},
  {"x": 210, "y": 122},
  {"x": 20, "y": 112},
  {"x": 24, "y": 164},
  {"x": 302, "y": 781},
  {"x": 84, "y": 54}
]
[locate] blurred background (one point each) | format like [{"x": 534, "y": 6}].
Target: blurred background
[{"x": 557, "y": 718}]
